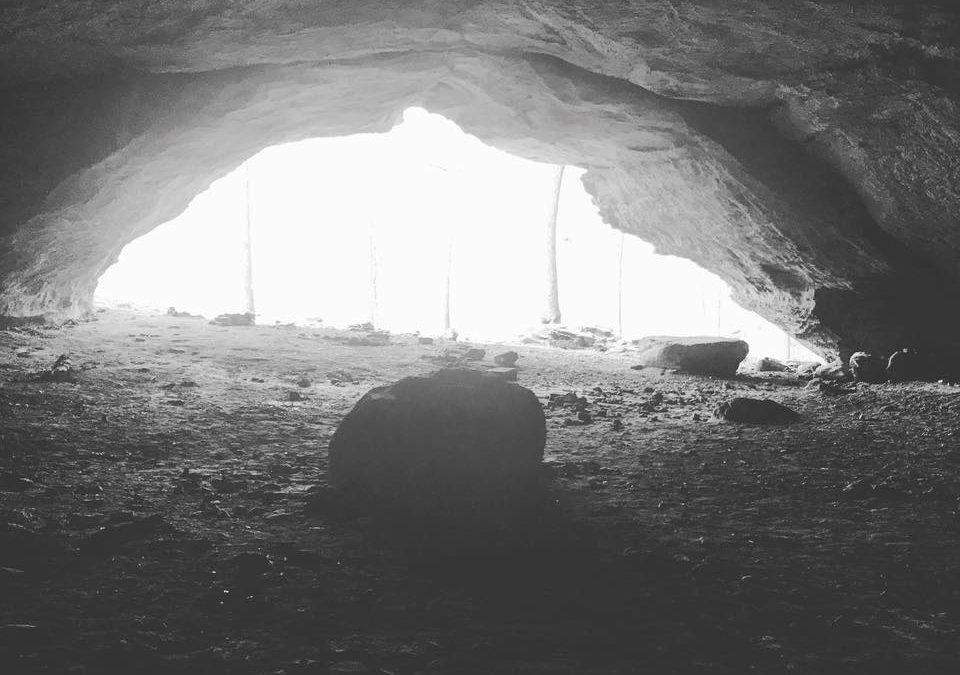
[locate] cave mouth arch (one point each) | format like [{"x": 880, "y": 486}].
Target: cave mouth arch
[
  {"x": 376, "y": 227},
  {"x": 653, "y": 168}
]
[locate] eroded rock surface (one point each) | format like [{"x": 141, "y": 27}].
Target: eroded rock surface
[{"x": 807, "y": 152}]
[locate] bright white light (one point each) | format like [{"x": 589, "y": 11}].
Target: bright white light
[{"x": 365, "y": 228}]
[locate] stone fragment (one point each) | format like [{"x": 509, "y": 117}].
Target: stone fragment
[
  {"x": 507, "y": 374},
  {"x": 755, "y": 411},
  {"x": 454, "y": 438},
  {"x": 474, "y": 354},
  {"x": 836, "y": 372},
  {"x": 507, "y": 359},
  {"x": 245, "y": 319},
  {"x": 62, "y": 370},
  {"x": 770, "y": 365},
  {"x": 696, "y": 355},
  {"x": 867, "y": 367},
  {"x": 425, "y": 340}
]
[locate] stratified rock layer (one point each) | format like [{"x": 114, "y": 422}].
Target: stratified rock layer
[{"x": 808, "y": 152}]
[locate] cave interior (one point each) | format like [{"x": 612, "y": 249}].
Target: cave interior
[{"x": 170, "y": 499}]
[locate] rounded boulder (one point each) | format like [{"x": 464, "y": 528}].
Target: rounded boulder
[{"x": 458, "y": 435}]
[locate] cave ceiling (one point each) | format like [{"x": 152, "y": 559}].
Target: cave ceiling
[{"x": 807, "y": 152}]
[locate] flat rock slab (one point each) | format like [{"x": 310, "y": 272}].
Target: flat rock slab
[
  {"x": 695, "y": 355},
  {"x": 455, "y": 436},
  {"x": 755, "y": 411}
]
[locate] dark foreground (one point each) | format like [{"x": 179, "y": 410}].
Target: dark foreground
[{"x": 168, "y": 513}]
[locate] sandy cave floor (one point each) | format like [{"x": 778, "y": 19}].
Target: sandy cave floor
[{"x": 168, "y": 512}]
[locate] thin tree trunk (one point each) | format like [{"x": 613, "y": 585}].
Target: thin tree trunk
[
  {"x": 246, "y": 246},
  {"x": 373, "y": 278},
  {"x": 552, "y": 312},
  {"x": 620, "y": 288}
]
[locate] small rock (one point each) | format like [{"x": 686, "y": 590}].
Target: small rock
[
  {"x": 770, "y": 365},
  {"x": 425, "y": 340},
  {"x": 832, "y": 371},
  {"x": 294, "y": 396},
  {"x": 303, "y": 382},
  {"x": 507, "y": 359},
  {"x": 61, "y": 371},
  {"x": 474, "y": 354},
  {"x": 245, "y": 319},
  {"x": 508, "y": 374},
  {"x": 755, "y": 411},
  {"x": 866, "y": 367}
]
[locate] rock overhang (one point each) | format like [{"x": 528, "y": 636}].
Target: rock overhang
[{"x": 806, "y": 152}]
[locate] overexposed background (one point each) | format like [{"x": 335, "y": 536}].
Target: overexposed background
[{"x": 364, "y": 228}]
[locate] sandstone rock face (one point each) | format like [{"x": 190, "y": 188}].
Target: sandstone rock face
[
  {"x": 697, "y": 355},
  {"x": 808, "y": 152},
  {"x": 457, "y": 438}
]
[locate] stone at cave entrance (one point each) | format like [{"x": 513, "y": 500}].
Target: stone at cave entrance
[
  {"x": 770, "y": 365},
  {"x": 456, "y": 438},
  {"x": 695, "y": 355},
  {"x": 832, "y": 372},
  {"x": 507, "y": 359},
  {"x": 245, "y": 319},
  {"x": 867, "y": 368},
  {"x": 755, "y": 411}
]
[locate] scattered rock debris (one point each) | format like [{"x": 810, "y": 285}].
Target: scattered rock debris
[{"x": 253, "y": 543}]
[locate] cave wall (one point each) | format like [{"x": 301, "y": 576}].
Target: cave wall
[{"x": 807, "y": 152}]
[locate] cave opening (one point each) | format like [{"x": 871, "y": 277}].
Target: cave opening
[{"x": 423, "y": 229}]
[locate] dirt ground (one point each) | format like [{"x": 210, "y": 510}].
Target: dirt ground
[{"x": 168, "y": 512}]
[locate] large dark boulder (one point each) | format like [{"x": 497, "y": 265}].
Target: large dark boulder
[
  {"x": 458, "y": 437},
  {"x": 696, "y": 355}
]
